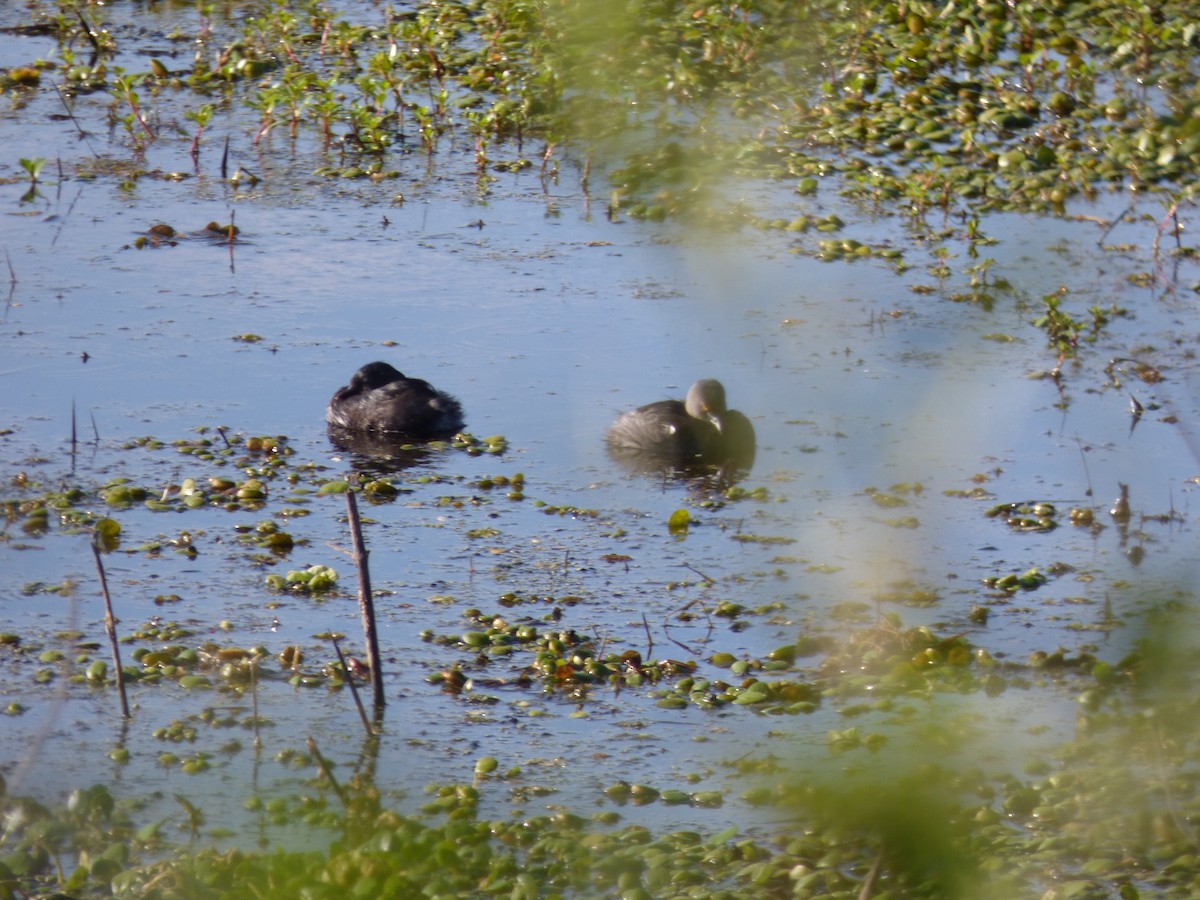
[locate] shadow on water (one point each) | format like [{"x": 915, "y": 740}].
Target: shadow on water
[
  {"x": 380, "y": 454},
  {"x": 665, "y": 468}
]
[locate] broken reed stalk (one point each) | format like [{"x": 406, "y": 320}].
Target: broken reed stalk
[
  {"x": 366, "y": 603},
  {"x": 362, "y": 713},
  {"x": 110, "y": 625}
]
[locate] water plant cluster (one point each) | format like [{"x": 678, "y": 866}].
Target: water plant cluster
[
  {"x": 942, "y": 827},
  {"x": 909, "y": 107}
]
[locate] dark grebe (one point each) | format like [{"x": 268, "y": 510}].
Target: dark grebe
[{"x": 381, "y": 399}]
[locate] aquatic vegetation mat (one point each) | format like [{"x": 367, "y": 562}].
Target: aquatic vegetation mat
[
  {"x": 1107, "y": 813},
  {"x": 899, "y": 800},
  {"x": 757, "y": 115},
  {"x": 912, "y": 106}
]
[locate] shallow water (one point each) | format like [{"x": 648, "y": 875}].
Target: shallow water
[{"x": 546, "y": 319}]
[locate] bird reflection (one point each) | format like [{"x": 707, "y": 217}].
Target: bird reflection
[{"x": 379, "y": 454}]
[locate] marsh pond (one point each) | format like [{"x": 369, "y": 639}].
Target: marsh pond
[{"x": 937, "y": 637}]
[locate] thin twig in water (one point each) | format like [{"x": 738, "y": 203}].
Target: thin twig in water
[
  {"x": 708, "y": 581},
  {"x": 366, "y": 603},
  {"x": 326, "y": 770},
  {"x": 110, "y": 625},
  {"x": 649, "y": 637},
  {"x": 1171, "y": 216},
  {"x": 71, "y": 115},
  {"x": 67, "y": 216},
  {"x": 232, "y": 230},
  {"x": 254, "y": 701},
  {"x": 225, "y": 160},
  {"x": 868, "y": 887},
  {"x": 362, "y": 713},
  {"x": 91, "y": 35},
  {"x": 1108, "y": 229},
  {"x": 601, "y": 642},
  {"x": 1086, "y": 474},
  {"x": 680, "y": 644}
]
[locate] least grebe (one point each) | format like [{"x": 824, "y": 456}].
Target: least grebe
[
  {"x": 381, "y": 399},
  {"x": 686, "y": 432}
]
